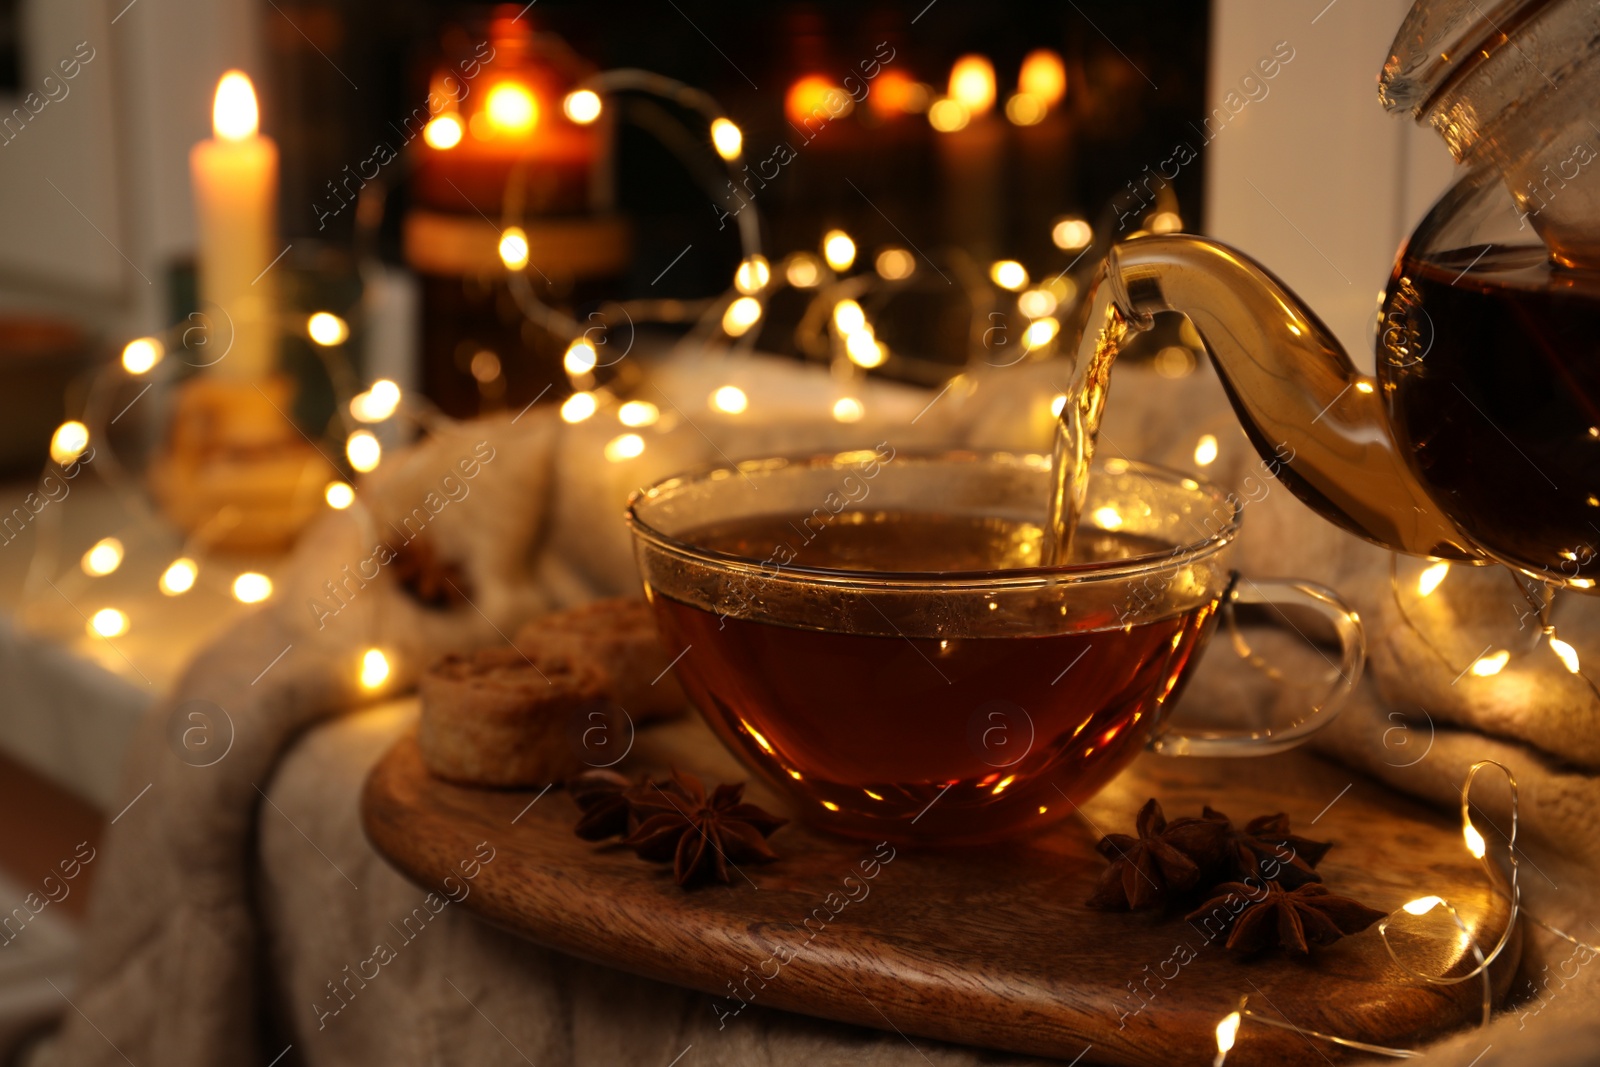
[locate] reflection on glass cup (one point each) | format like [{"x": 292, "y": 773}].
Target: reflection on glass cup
[{"x": 873, "y": 634}]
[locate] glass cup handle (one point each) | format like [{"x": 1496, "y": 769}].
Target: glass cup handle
[{"x": 1352, "y": 656}]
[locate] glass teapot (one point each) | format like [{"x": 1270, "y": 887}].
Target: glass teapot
[{"x": 1479, "y": 440}]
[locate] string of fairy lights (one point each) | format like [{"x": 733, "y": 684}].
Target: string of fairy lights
[
  {"x": 836, "y": 327},
  {"x": 1503, "y": 884},
  {"x": 1491, "y": 661}
]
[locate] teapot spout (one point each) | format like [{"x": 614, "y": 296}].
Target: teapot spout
[{"x": 1318, "y": 423}]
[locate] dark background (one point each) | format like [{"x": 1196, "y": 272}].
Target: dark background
[{"x": 1120, "y": 120}]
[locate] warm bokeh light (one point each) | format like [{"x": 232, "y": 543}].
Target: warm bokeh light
[
  {"x": 1058, "y": 404},
  {"x": 1107, "y": 518},
  {"x": 377, "y": 403},
  {"x": 1565, "y": 653},
  {"x": 1174, "y": 361},
  {"x": 730, "y": 399},
  {"x": 624, "y": 446},
  {"x": 140, "y": 355},
  {"x": 179, "y": 576},
  {"x": 726, "y": 139},
  {"x": 1422, "y": 905},
  {"x": 581, "y": 106},
  {"x": 580, "y": 359},
  {"x": 803, "y": 271},
  {"x": 972, "y": 83},
  {"x": 1164, "y": 222},
  {"x": 1008, "y": 274},
  {"x": 848, "y": 409},
  {"x": 578, "y": 406},
  {"x": 807, "y": 99},
  {"x": 1043, "y": 76},
  {"x": 1071, "y": 235},
  {"x": 1430, "y": 578},
  {"x": 638, "y": 413},
  {"x": 1363, "y": 385},
  {"x": 894, "y": 93},
  {"x": 363, "y": 451},
  {"x": 108, "y": 622},
  {"x": 69, "y": 442},
  {"x": 339, "y": 495},
  {"x": 234, "y": 114},
  {"x": 752, "y": 275},
  {"x": 485, "y": 365},
  {"x": 1037, "y": 303},
  {"x": 742, "y": 314},
  {"x": 864, "y": 349},
  {"x": 1025, "y": 109},
  {"x": 374, "y": 668},
  {"x": 848, "y": 316},
  {"x": 895, "y": 264},
  {"x": 1040, "y": 332},
  {"x": 443, "y": 133},
  {"x": 1475, "y": 842},
  {"x": 1227, "y": 1033},
  {"x": 511, "y": 109},
  {"x": 103, "y": 558},
  {"x": 1205, "y": 450},
  {"x": 327, "y": 329},
  {"x": 1491, "y": 664},
  {"x": 514, "y": 248},
  {"x": 838, "y": 249},
  {"x": 948, "y": 116},
  {"x": 251, "y": 587}
]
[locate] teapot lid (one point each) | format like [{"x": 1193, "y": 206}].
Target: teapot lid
[
  {"x": 1441, "y": 39},
  {"x": 1502, "y": 76}
]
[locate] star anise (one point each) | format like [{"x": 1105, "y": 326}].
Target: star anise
[
  {"x": 603, "y": 798},
  {"x": 1265, "y": 850},
  {"x": 701, "y": 835},
  {"x": 1267, "y": 914},
  {"x": 1165, "y": 860},
  {"x": 433, "y": 581}
]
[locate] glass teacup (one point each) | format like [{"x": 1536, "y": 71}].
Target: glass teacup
[{"x": 874, "y": 636}]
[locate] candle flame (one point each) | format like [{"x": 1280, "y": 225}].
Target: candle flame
[
  {"x": 234, "y": 114},
  {"x": 972, "y": 83},
  {"x": 1043, "y": 76},
  {"x": 512, "y": 109}
]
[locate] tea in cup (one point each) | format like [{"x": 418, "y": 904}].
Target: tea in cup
[{"x": 874, "y": 634}]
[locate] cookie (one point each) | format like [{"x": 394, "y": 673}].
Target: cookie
[{"x": 501, "y": 718}]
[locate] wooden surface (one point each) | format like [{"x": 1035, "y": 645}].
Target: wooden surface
[{"x": 987, "y": 946}]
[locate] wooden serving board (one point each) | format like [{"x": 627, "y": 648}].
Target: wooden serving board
[{"x": 986, "y": 946}]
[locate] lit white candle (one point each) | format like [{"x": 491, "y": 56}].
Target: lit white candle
[{"x": 235, "y": 176}]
